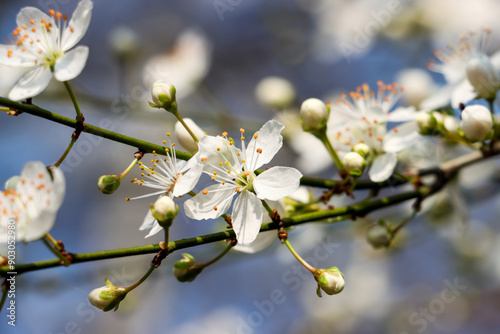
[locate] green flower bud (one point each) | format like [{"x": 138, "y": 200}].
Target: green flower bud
[
  {"x": 330, "y": 281},
  {"x": 163, "y": 95},
  {"x": 108, "y": 184},
  {"x": 186, "y": 269},
  {"x": 378, "y": 236},
  {"x": 107, "y": 297},
  {"x": 354, "y": 164},
  {"x": 164, "y": 210},
  {"x": 314, "y": 114}
]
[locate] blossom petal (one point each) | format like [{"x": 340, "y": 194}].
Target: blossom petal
[
  {"x": 71, "y": 64},
  {"x": 31, "y": 84},
  {"x": 382, "y": 167},
  {"x": 263, "y": 240},
  {"x": 269, "y": 140},
  {"x": 247, "y": 217},
  {"x": 58, "y": 187},
  {"x": 401, "y": 137},
  {"x": 42, "y": 224},
  {"x": 27, "y": 14},
  {"x": 77, "y": 25},
  {"x": 277, "y": 182},
  {"x": 17, "y": 57},
  {"x": 186, "y": 182},
  {"x": 215, "y": 150},
  {"x": 148, "y": 222},
  {"x": 403, "y": 114},
  {"x": 462, "y": 93},
  {"x": 202, "y": 206}
]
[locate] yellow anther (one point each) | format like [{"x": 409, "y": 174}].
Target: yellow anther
[
  {"x": 255, "y": 136},
  {"x": 259, "y": 150},
  {"x": 205, "y": 192}
]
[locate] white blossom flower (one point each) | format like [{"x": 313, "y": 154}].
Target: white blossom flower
[
  {"x": 234, "y": 170},
  {"x": 373, "y": 106},
  {"x": 43, "y": 44},
  {"x": 383, "y": 144},
  {"x": 185, "y": 66},
  {"x": 172, "y": 177},
  {"x": 454, "y": 60},
  {"x": 31, "y": 200}
]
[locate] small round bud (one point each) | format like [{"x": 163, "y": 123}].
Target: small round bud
[
  {"x": 184, "y": 138},
  {"x": 362, "y": 149},
  {"x": 314, "y": 115},
  {"x": 124, "y": 42},
  {"x": 451, "y": 124},
  {"x": 164, "y": 210},
  {"x": 378, "y": 236},
  {"x": 418, "y": 85},
  {"x": 107, "y": 297},
  {"x": 186, "y": 269},
  {"x": 275, "y": 92},
  {"x": 163, "y": 95},
  {"x": 476, "y": 122},
  {"x": 354, "y": 163},
  {"x": 483, "y": 76},
  {"x": 108, "y": 184},
  {"x": 330, "y": 281}
]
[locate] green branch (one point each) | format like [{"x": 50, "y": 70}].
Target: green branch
[
  {"x": 150, "y": 147},
  {"x": 357, "y": 210}
]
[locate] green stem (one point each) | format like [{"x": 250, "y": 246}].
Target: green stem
[
  {"x": 297, "y": 256},
  {"x": 145, "y": 146},
  {"x": 129, "y": 168},
  {"x": 218, "y": 257},
  {"x": 268, "y": 208},
  {"x": 54, "y": 249},
  {"x": 66, "y": 152},
  {"x": 79, "y": 116},
  {"x": 179, "y": 117},
  {"x": 79, "y": 119},
  {"x": 352, "y": 210},
  {"x": 324, "y": 138},
  {"x": 141, "y": 280}
]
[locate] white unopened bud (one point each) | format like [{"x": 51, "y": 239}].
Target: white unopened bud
[
  {"x": 314, "y": 114},
  {"x": 378, "y": 236},
  {"x": 184, "y": 138},
  {"x": 275, "y": 92},
  {"x": 362, "y": 149},
  {"x": 483, "y": 76},
  {"x": 330, "y": 281},
  {"x": 451, "y": 124},
  {"x": 424, "y": 122},
  {"x": 476, "y": 122},
  {"x": 124, "y": 42},
  {"x": 418, "y": 85},
  {"x": 107, "y": 297},
  {"x": 164, "y": 210},
  {"x": 354, "y": 163},
  {"x": 163, "y": 95}
]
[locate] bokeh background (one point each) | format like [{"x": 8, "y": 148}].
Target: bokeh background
[{"x": 443, "y": 274}]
